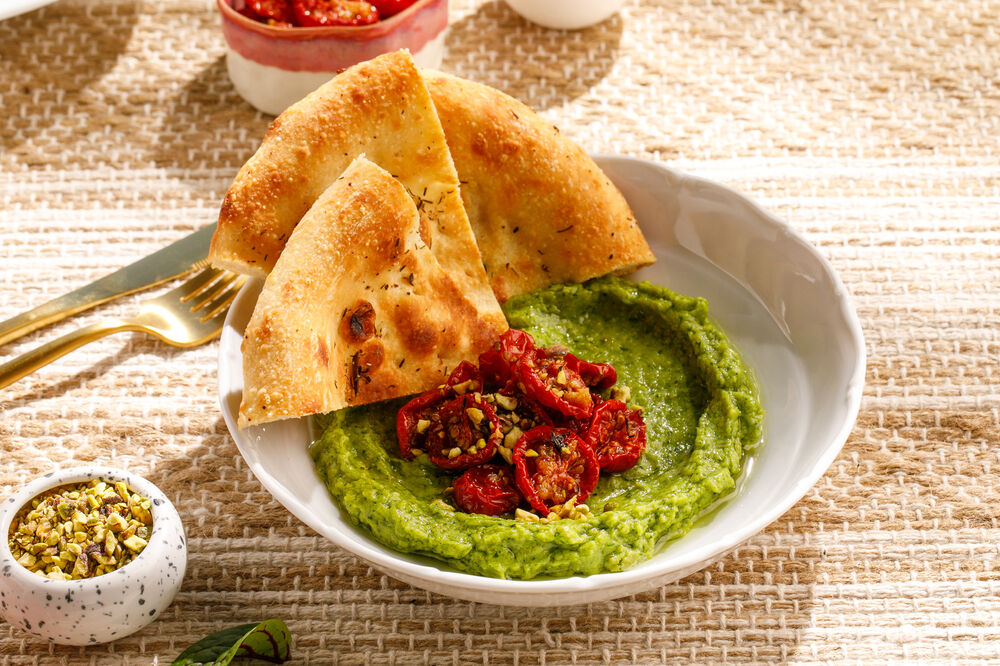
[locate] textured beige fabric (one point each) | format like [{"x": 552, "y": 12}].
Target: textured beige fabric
[{"x": 871, "y": 127}]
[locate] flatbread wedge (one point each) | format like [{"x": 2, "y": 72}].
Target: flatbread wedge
[
  {"x": 379, "y": 108},
  {"x": 359, "y": 307},
  {"x": 542, "y": 211}
]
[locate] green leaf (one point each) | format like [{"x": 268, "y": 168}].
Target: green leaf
[{"x": 268, "y": 641}]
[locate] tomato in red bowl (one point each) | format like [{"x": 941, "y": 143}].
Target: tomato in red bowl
[{"x": 279, "y": 51}]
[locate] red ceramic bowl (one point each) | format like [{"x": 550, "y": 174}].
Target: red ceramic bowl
[{"x": 274, "y": 67}]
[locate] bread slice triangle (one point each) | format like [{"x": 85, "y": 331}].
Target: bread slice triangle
[
  {"x": 360, "y": 306},
  {"x": 485, "y": 169},
  {"x": 379, "y": 108},
  {"x": 542, "y": 211}
]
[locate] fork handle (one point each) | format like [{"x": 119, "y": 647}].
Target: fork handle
[{"x": 26, "y": 363}]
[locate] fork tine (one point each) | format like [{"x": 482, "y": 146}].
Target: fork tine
[
  {"x": 223, "y": 296},
  {"x": 192, "y": 287},
  {"x": 207, "y": 291}
]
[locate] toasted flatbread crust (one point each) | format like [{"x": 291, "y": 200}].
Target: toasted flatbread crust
[
  {"x": 359, "y": 307},
  {"x": 379, "y": 108},
  {"x": 543, "y": 212}
]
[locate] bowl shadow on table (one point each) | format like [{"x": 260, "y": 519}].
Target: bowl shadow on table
[
  {"x": 90, "y": 41},
  {"x": 553, "y": 67},
  {"x": 208, "y": 123},
  {"x": 552, "y": 74}
]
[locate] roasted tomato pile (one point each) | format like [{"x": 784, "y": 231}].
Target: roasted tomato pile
[
  {"x": 313, "y": 13},
  {"x": 527, "y": 425}
]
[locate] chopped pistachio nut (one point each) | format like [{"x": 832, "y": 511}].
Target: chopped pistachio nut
[
  {"x": 510, "y": 439},
  {"x": 81, "y": 530},
  {"x": 475, "y": 415},
  {"x": 506, "y": 401},
  {"x": 442, "y": 504},
  {"x": 621, "y": 392},
  {"x": 135, "y": 544},
  {"x": 463, "y": 387}
]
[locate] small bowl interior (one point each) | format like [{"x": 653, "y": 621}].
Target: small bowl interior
[
  {"x": 10, "y": 507},
  {"x": 350, "y": 32}
]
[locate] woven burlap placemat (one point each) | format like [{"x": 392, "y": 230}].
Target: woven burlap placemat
[{"x": 871, "y": 127}]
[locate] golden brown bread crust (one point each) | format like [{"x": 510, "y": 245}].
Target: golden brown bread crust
[
  {"x": 543, "y": 212},
  {"x": 358, "y": 308},
  {"x": 379, "y": 108}
]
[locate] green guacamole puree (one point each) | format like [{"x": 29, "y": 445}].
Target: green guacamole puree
[{"x": 702, "y": 415}]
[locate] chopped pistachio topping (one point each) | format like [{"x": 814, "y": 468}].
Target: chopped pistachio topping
[
  {"x": 510, "y": 439},
  {"x": 526, "y": 516},
  {"x": 81, "y": 530},
  {"x": 622, "y": 393},
  {"x": 463, "y": 387},
  {"x": 570, "y": 510},
  {"x": 506, "y": 401},
  {"x": 444, "y": 505},
  {"x": 475, "y": 415}
]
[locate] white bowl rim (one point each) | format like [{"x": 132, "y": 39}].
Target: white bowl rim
[{"x": 687, "y": 561}]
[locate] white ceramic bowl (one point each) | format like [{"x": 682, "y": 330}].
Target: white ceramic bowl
[
  {"x": 781, "y": 305},
  {"x": 16, "y": 7},
  {"x": 566, "y": 14},
  {"x": 102, "y": 608}
]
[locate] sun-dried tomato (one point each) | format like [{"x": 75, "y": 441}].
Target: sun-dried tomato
[
  {"x": 617, "y": 435},
  {"x": 497, "y": 364},
  {"x": 267, "y": 11},
  {"x": 465, "y": 432},
  {"x": 553, "y": 465},
  {"x": 465, "y": 378},
  {"x": 387, "y": 8},
  {"x": 249, "y": 13},
  {"x": 311, "y": 13},
  {"x": 414, "y": 419},
  {"x": 487, "y": 489},
  {"x": 541, "y": 409},
  {"x": 598, "y": 376},
  {"x": 545, "y": 375},
  {"x": 579, "y": 426}
]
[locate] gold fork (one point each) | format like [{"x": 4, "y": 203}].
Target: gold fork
[{"x": 187, "y": 316}]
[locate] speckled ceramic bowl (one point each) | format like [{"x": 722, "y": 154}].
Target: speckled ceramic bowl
[
  {"x": 273, "y": 67},
  {"x": 106, "y": 607}
]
